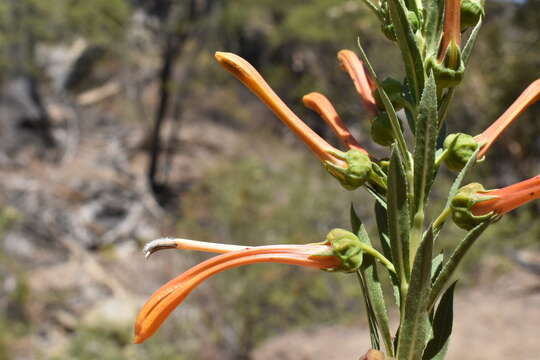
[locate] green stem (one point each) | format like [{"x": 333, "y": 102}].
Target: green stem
[
  {"x": 380, "y": 257},
  {"x": 416, "y": 234},
  {"x": 441, "y": 157},
  {"x": 439, "y": 221},
  {"x": 373, "y": 8}
]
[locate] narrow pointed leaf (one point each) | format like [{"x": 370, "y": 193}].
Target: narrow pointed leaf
[
  {"x": 373, "y": 286},
  {"x": 372, "y": 323},
  {"x": 382, "y": 226},
  {"x": 426, "y": 138},
  {"x": 471, "y": 41},
  {"x": 407, "y": 44},
  {"x": 454, "y": 260},
  {"x": 389, "y": 108},
  {"x": 436, "y": 265},
  {"x": 442, "y": 327},
  {"x": 433, "y": 25},
  {"x": 415, "y": 327},
  {"x": 398, "y": 216}
]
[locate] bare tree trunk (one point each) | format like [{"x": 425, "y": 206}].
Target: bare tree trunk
[{"x": 168, "y": 58}]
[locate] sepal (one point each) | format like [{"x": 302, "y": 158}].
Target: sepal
[
  {"x": 356, "y": 173},
  {"x": 460, "y": 148},
  {"x": 471, "y": 12},
  {"x": 448, "y": 72},
  {"x": 463, "y": 202}
]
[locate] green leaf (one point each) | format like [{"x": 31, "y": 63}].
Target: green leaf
[
  {"x": 389, "y": 108},
  {"x": 407, "y": 44},
  {"x": 459, "y": 179},
  {"x": 373, "y": 286},
  {"x": 373, "y": 331},
  {"x": 442, "y": 327},
  {"x": 382, "y": 226},
  {"x": 424, "y": 148},
  {"x": 415, "y": 328},
  {"x": 433, "y": 25},
  {"x": 398, "y": 216},
  {"x": 436, "y": 264},
  {"x": 471, "y": 41},
  {"x": 379, "y": 198},
  {"x": 454, "y": 260}
]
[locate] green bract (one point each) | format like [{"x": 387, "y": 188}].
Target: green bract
[
  {"x": 347, "y": 247},
  {"x": 356, "y": 173},
  {"x": 463, "y": 202},
  {"x": 460, "y": 148},
  {"x": 471, "y": 12}
]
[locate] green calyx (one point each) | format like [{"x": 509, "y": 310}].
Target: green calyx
[
  {"x": 394, "y": 90},
  {"x": 358, "y": 169},
  {"x": 449, "y": 72},
  {"x": 463, "y": 202},
  {"x": 471, "y": 12},
  {"x": 460, "y": 148},
  {"x": 348, "y": 248}
]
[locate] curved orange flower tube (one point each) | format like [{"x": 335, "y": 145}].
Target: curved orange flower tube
[
  {"x": 526, "y": 99},
  {"x": 170, "y": 295},
  {"x": 321, "y": 105},
  {"x": 509, "y": 198},
  {"x": 250, "y": 77},
  {"x": 362, "y": 81}
]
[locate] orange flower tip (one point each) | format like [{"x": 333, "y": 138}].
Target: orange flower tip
[{"x": 238, "y": 66}]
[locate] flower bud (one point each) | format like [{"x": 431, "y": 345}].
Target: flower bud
[
  {"x": 347, "y": 247},
  {"x": 463, "y": 202},
  {"x": 394, "y": 90},
  {"x": 460, "y": 149},
  {"x": 356, "y": 173},
  {"x": 381, "y": 130},
  {"x": 471, "y": 12}
]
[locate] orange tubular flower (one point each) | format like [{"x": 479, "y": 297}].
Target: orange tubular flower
[
  {"x": 451, "y": 30},
  {"x": 247, "y": 74},
  {"x": 526, "y": 99},
  {"x": 170, "y": 295},
  {"x": 362, "y": 81},
  {"x": 321, "y": 105},
  {"x": 508, "y": 198}
]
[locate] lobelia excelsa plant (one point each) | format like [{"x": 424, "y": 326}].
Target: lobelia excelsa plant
[{"x": 428, "y": 34}]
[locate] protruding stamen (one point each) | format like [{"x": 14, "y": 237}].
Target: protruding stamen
[
  {"x": 526, "y": 99},
  {"x": 186, "y": 244},
  {"x": 321, "y": 105}
]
